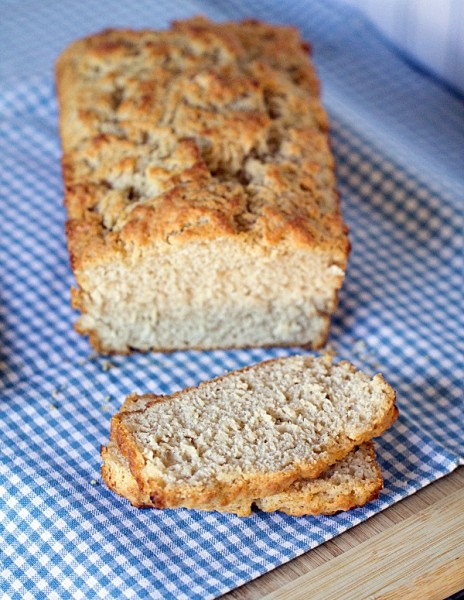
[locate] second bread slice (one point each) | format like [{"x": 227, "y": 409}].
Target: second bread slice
[{"x": 251, "y": 433}]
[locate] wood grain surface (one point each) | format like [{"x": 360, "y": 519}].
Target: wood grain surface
[{"x": 414, "y": 549}]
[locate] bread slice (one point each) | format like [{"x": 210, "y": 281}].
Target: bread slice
[
  {"x": 199, "y": 187},
  {"x": 349, "y": 483},
  {"x": 246, "y": 435}
]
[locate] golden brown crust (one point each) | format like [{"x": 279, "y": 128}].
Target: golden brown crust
[
  {"x": 205, "y": 130},
  {"x": 117, "y": 476}
]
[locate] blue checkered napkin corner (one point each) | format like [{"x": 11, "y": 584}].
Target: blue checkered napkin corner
[{"x": 63, "y": 534}]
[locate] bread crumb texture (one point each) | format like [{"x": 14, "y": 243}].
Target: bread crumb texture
[
  {"x": 190, "y": 154},
  {"x": 251, "y": 434}
]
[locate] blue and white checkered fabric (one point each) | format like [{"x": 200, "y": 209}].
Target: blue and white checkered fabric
[{"x": 399, "y": 142}]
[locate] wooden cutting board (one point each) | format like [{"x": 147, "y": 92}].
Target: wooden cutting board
[{"x": 412, "y": 550}]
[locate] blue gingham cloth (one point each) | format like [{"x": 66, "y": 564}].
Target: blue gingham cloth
[{"x": 398, "y": 138}]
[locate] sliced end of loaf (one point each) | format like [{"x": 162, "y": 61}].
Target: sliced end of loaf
[{"x": 242, "y": 296}]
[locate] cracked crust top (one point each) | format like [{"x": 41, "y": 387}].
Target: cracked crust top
[{"x": 201, "y": 131}]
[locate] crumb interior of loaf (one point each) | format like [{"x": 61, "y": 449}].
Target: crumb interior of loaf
[
  {"x": 216, "y": 294},
  {"x": 261, "y": 420}
]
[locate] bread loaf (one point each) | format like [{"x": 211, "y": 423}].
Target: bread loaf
[
  {"x": 199, "y": 186},
  {"x": 247, "y": 435}
]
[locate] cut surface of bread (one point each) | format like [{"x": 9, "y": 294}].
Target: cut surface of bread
[
  {"x": 349, "y": 483},
  {"x": 248, "y": 434},
  {"x": 199, "y": 187}
]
